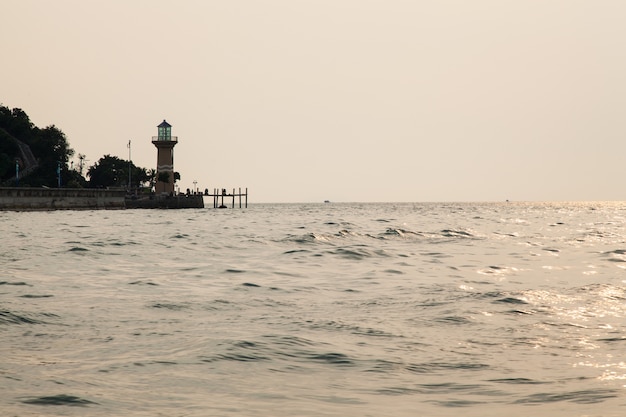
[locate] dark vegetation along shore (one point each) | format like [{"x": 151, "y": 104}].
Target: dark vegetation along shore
[
  {"x": 37, "y": 173},
  {"x": 40, "y": 157}
]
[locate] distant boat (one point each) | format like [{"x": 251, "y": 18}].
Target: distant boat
[{"x": 326, "y": 201}]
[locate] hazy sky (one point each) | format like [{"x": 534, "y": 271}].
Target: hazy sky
[{"x": 345, "y": 100}]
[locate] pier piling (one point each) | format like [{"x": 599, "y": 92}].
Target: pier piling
[{"x": 218, "y": 197}]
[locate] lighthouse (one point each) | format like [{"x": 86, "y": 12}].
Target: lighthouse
[{"x": 165, "y": 143}]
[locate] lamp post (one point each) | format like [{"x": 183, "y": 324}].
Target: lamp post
[
  {"x": 129, "y": 168},
  {"x": 194, "y": 186},
  {"x": 17, "y": 173}
]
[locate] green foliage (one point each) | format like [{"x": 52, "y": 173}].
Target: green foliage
[
  {"x": 8, "y": 145},
  {"x": 75, "y": 180},
  {"x": 9, "y": 150},
  {"x": 49, "y": 147},
  {"x": 7, "y": 166},
  {"x": 163, "y": 177},
  {"x": 111, "y": 171},
  {"x": 16, "y": 123},
  {"x": 51, "y": 151}
]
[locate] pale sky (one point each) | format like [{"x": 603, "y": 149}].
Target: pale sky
[{"x": 341, "y": 100}]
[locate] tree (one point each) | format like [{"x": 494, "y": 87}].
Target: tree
[
  {"x": 111, "y": 171},
  {"x": 7, "y": 166},
  {"x": 163, "y": 177},
  {"x": 52, "y": 150},
  {"x": 105, "y": 172},
  {"x": 75, "y": 180},
  {"x": 49, "y": 147},
  {"x": 9, "y": 152},
  {"x": 139, "y": 176},
  {"x": 16, "y": 122},
  {"x": 152, "y": 176}
]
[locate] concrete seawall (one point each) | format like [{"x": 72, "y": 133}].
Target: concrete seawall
[
  {"x": 166, "y": 202},
  {"x": 30, "y": 198}
]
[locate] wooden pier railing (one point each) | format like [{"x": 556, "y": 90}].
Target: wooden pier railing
[{"x": 219, "y": 196}]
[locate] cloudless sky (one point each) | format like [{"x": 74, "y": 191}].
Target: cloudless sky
[{"x": 345, "y": 100}]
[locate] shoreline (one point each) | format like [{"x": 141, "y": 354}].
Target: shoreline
[{"x": 49, "y": 199}]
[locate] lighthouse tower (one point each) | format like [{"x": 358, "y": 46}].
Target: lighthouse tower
[{"x": 165, "y": 143}]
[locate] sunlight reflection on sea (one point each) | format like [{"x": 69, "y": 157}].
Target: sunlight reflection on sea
[{"x": 315, "y": 310}]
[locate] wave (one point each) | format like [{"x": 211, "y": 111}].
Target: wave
[
  {"x": 171, "y": 306},
  {"x": 579, "y": 397},
  {"x": 61, "y": 399},
  {"x": 15, "y": 283},
  {"x": 390, "y": 233},
  {"x": 8, "y": 317}
]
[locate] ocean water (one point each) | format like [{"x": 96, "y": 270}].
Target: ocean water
[{"x": 492, "y": 309}]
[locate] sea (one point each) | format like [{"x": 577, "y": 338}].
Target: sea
[{"x": 337, "y": 309}]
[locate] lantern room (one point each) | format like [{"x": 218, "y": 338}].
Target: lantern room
[{"x": 165, "y": 131}]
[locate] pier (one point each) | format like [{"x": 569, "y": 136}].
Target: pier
[
  {"x": 164, "y": 201},
  {"x": 220, "y": 195}
]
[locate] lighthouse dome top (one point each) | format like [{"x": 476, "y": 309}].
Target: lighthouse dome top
[{"x": 165, "y": 133}]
